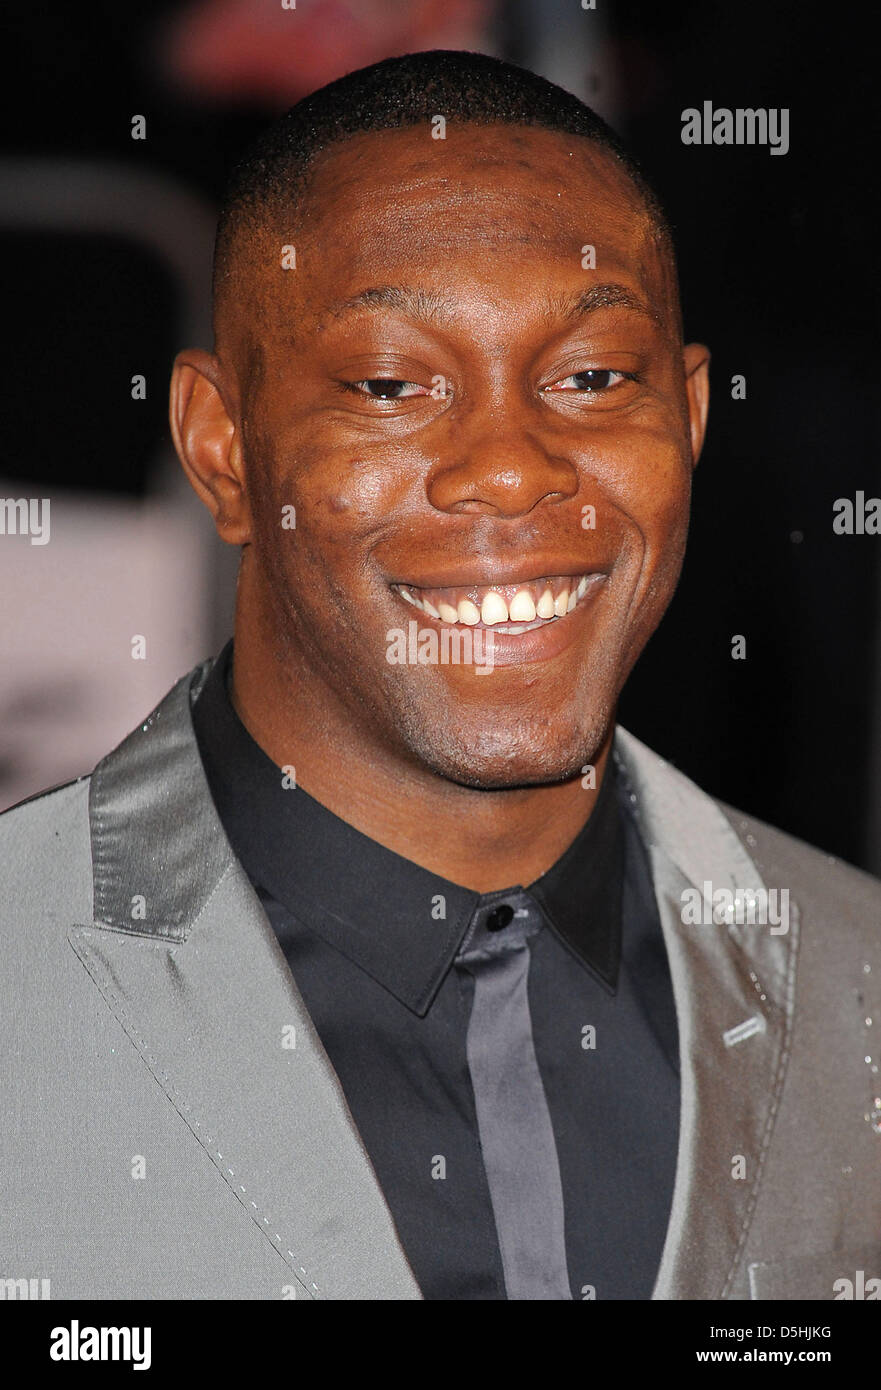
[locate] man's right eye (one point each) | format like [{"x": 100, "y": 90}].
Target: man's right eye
[{"x": 386, "y": 388}]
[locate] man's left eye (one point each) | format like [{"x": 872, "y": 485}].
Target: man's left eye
[
  {"x": 383, "y": 388},
  {"x": 592, "y": 380}
]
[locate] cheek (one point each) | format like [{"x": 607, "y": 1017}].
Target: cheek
[
  {"x": 651, "y": 489},
  {"x": 344, "y": 502},
  {"x": 351, "y": 487},
  {"x": 654, "y": 490},
  {"x": 665, "y": 508},
  {"x": 336, "y": 498},
  {"x": 346, "y": 486}
]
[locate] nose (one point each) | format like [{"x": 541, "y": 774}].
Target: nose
[{"x": 504, "y": 474}]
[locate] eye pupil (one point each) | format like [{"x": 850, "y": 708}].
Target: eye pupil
[
  {"x": 384, "y": 387},
  {"x": 591, "y": 380}
]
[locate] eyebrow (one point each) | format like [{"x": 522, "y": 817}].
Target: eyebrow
[
  {"x": 431, "y": 306},
  {"x": 427, "y": 305},
  {"x": 609, "y": 296}
]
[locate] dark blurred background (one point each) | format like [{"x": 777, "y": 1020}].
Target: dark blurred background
[{"x": 105, "y": 263}]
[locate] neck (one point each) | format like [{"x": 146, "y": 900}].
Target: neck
[{"x": 482, "y": 840}]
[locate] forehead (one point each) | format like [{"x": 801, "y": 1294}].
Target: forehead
[
  {"x": 496, "y": 210},
  {"x": 485, "y": 188}
]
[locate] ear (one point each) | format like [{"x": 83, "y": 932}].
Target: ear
[
  {"x": 208, "y": 443},
  {"x": 696, "y": 358}
]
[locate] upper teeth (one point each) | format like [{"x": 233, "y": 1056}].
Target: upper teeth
[
  {"x": 494, "y": 609},
  {"x": 518, "y": 603},
  {"x": 521, "y": 609},
  {"x": 545, "y": 606}
]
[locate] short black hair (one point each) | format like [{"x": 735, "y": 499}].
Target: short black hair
[{"x": 399, "y": 92}]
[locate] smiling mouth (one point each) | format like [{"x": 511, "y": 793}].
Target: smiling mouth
[{"x": 506, "y": 608}]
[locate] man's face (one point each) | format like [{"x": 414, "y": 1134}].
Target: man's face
[{"x": 443, "y": 400}]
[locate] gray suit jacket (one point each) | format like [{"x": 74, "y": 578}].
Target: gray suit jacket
[{"x": 161, "y": 1138}]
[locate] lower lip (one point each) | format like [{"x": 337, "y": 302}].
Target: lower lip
[{"x": 522, "y": 648}]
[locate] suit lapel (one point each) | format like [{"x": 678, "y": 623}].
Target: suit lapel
[
  {"x": 734, "y": 1000},
  {"x": 184, "y": 956}
]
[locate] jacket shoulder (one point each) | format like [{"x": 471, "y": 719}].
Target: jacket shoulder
[
  {"x": 42, "y": 815},
  {"x": 682, "y": 807},
  {"x": 46, "y": 840},
  {"x": 777, "y": 854},
  {"x": 691, "y": 824},
  {"x": 45, "y": 855},
  {"x": 837, "y": 905}
]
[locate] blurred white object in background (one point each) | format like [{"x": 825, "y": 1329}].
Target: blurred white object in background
[
  {"x": 115, "y": 567},
  {"x": 112, "y": 571}
]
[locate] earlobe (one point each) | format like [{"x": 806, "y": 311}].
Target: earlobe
[
  {"x": 696, "y": 359},
  {"x": 208, "y": 443}
]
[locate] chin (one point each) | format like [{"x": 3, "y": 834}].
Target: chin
[{"x": 495, "y": 759}]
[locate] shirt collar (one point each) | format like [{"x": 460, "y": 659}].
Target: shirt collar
[{"x": 400, "y": 923}]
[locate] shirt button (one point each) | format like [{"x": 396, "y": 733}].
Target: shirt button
[{"x": 499, "y": 917}]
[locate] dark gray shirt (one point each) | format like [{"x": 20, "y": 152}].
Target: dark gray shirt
[{"x": 510, "y": 1059}]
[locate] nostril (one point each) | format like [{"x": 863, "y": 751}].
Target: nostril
[{"x": 473, "y": 505}]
